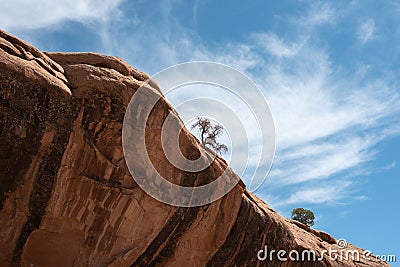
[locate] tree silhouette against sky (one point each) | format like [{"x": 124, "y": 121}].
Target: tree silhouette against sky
[{"x": 209, "y": 132}]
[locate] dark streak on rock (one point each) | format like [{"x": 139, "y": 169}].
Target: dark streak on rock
[
  {"x": 173, "y": 230},
  {"x": 229, "y": 247},
  {"x": 42, "y": 189}
]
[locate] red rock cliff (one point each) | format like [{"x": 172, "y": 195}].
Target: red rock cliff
[{"x": 68, "y": 199}]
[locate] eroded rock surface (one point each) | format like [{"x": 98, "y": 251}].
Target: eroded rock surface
[{"x": 68, "y": 199}]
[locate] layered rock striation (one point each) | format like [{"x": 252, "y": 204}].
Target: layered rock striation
[{"x": 68, "y": 199}]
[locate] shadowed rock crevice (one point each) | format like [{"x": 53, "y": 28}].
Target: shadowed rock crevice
[
  {"x": 164, "y": 244},
  {"x": 227, "y": 250},
  {"x": 42, "y": 190}
]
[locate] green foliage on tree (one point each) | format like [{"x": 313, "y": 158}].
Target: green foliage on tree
[
  {"x": 209, "y": 133},
  {"x": 304, "y": 216}
]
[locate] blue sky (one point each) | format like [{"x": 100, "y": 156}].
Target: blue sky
[{"x": 329, "y": 71}]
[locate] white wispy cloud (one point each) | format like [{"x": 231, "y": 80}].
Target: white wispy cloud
[
  {"x": 326, "y": 122},
  {"x": 389, "y": 166},
  {"x": 328, "y": 125},
  {"x": 274, "y": 45},
  {"x": 332, "y": 193},
  {"x": 366, "y": 31},
  {"x": 318, "y": 13},
  {"x": 25, "y": 14}
]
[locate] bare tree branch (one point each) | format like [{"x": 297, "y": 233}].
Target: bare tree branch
[{"x": 209, "y": 133}]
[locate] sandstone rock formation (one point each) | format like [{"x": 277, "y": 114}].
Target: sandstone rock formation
[{"x": 67, "y": 198}]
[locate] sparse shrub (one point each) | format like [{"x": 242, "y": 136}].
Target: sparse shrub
[{"x": 304, "y": 216}]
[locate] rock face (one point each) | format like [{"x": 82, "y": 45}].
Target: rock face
[{"x": 68, "y": 199}]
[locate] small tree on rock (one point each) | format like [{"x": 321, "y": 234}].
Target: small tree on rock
[
  {"x": 304, "y": 216},
  {"x": 209, "y": 133}
]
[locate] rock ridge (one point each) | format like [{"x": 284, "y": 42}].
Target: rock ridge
[{"x": 68, "y": 199}]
